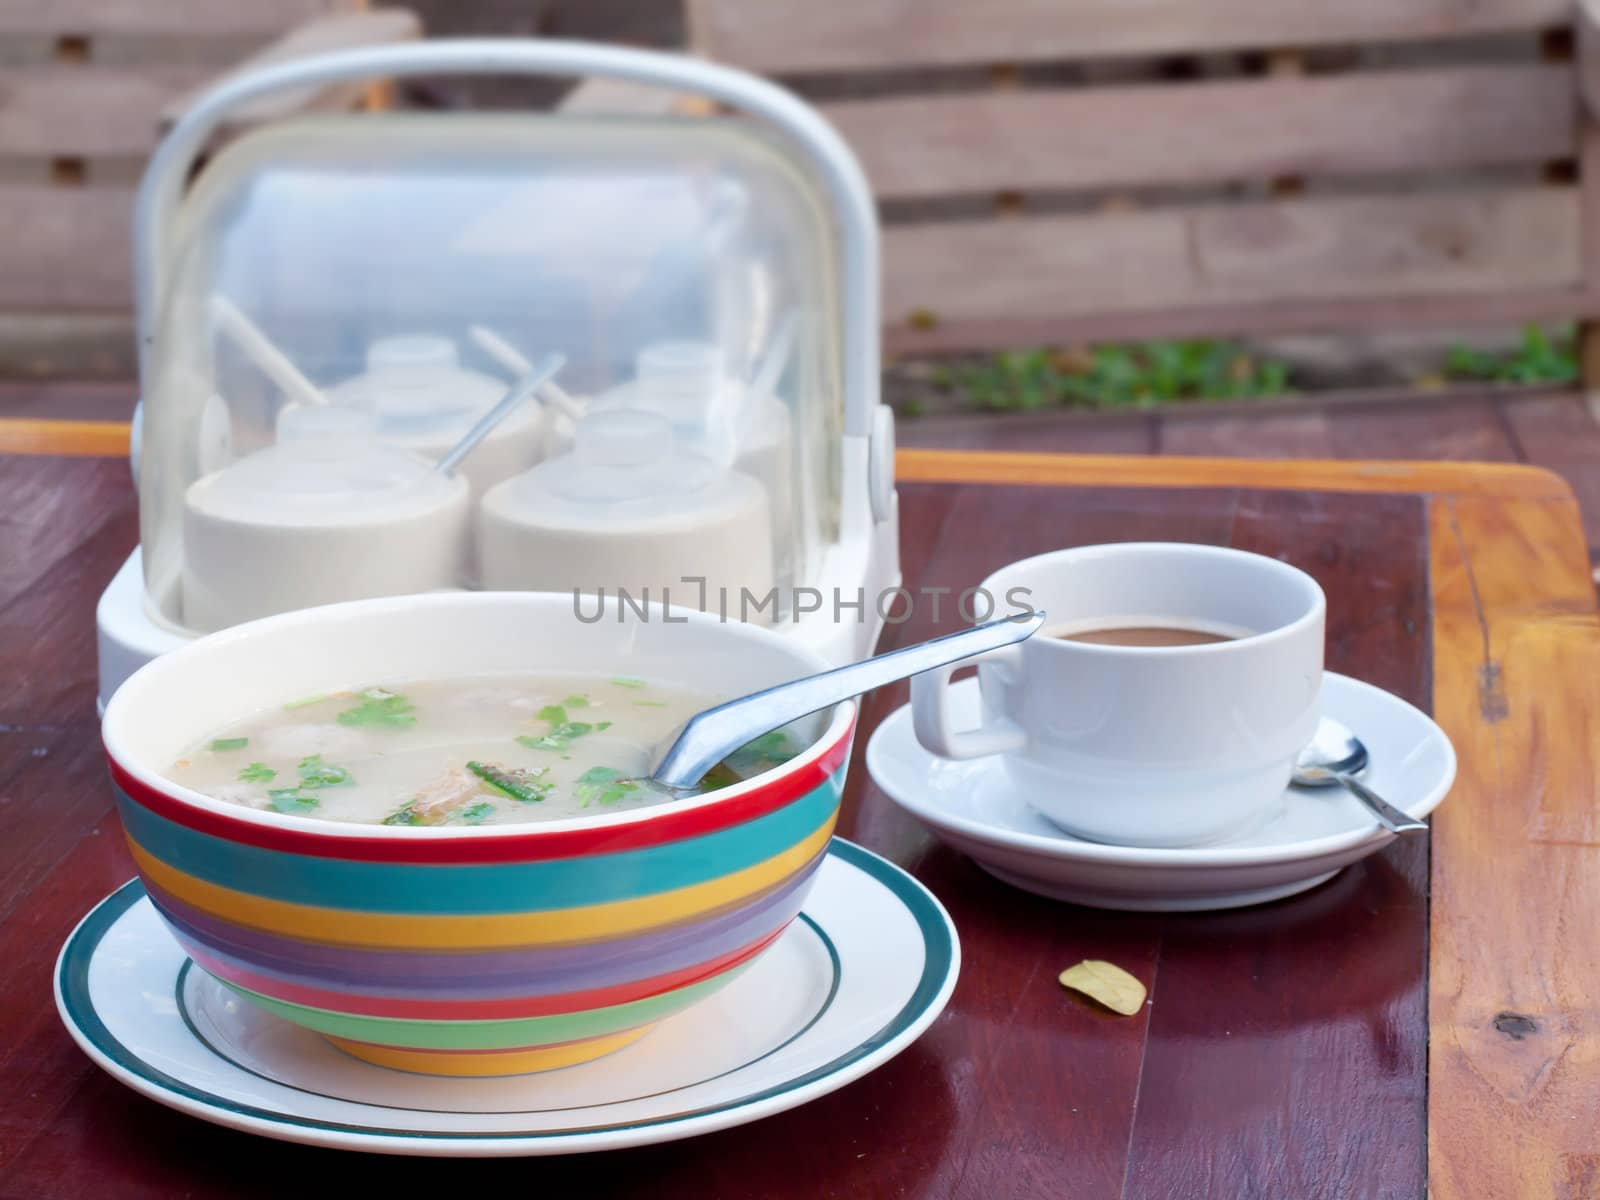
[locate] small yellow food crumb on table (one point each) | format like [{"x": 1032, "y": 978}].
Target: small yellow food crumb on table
[{"x": 1107, "y": 983}]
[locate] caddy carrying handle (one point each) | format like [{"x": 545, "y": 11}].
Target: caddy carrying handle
[{"x": 164, "y": 178}]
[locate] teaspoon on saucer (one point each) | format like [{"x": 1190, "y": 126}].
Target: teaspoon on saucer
[{"x": 1333, "y": 758}]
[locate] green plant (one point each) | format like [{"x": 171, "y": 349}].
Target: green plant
[
  {"x": 1540, "y": 358},
  {"x": 1140, "y": 375}
]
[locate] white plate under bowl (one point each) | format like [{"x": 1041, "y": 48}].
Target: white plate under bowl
[
  {"x": 866, "y": 968},
  {"x": 1311, "y": 835}
]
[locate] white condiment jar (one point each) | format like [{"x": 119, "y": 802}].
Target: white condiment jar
[
  {"x": 765, "y": 449},
  {"x": 425, "y": 401},
  {"x": 329, "y": 513},
  {"x": 712, "y": 415},
  {"x": 626, "y": 510}
]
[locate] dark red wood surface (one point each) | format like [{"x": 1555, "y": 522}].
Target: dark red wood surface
[{"x": 1284, "y": 1054}]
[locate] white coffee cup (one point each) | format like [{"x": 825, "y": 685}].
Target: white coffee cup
[{"x": 1145, "y": 745}]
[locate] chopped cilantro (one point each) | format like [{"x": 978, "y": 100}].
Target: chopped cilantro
[
  {"x": 257, "y": 773},
  {"x": 605, "y": 785},
  {"x": 238, "y": 743},
  {"x": 576, "y": 702},
  {"x": 380, "y": 707},
  {"x": 541, "y": 743},
  {"x": 768, "y": 750},
  {"x": 406, "y": 814},
  {"x": 518, "y": 784},
  {"x": 627, "y": 681},
  {"x": 719, "y": 776},
  {"x": 765, "y": 752},
  {"x": 315, "y": 773},
  {"x": 562, "y": 731},
  {"x": 476, "y": 814},
  {"x": 773, "y": 746},
  {"x": 293, "y": 800}
]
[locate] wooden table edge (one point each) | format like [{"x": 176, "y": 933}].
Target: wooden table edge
[
  {"x": 108, "y": 438},
  {"x": 1300, "y": 474},
  {"x": 74, "y": 439}
]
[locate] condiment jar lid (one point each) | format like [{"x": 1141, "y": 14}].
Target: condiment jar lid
[
  {"x": 624, "y": 465},
  {"x": 327, "y": 466},
  {"x": 416, "y": 381},
  {"x": 681, "y": 380},
  {"x": 686, "y": 382}
]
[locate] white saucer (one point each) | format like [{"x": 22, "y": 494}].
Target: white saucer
[
  {"x": 867, "y": 967},
  {"x": 1306, "y": 841}
]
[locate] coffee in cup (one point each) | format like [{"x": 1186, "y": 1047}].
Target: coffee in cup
[
  {"x": 1142, "y": 635},
  {"x": 1166, "y": 702}
]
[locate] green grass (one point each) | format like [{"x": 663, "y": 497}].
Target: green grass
[
  {"x": 1141, "y": 375},
  {"x": 1541, "y": 357}
]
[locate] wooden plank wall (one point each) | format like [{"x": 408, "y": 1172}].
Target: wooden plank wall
[
  {"x": 86, "y": 88},
  {"x": 1070, "y": 170},
  {"x": 855, "y": 35}
]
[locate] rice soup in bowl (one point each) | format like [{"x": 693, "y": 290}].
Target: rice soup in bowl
[{"x": 463, "y": 948}]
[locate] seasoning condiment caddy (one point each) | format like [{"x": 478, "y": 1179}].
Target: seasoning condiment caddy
[{"x": 328, "y": 304}]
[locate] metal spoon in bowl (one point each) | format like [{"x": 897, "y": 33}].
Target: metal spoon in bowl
[
  {"x": 707, "y": 738},
  {"x": 1334, "y": 757}
]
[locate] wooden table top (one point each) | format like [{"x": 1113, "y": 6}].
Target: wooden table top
[{"x": 1422, "y": 1021}]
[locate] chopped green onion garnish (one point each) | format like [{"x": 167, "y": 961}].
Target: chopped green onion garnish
[
  {"x": 475, "y": 814},
  {"x": 307, "y": 702},
  {"x": 257, "y": 773},
  {"x": 628, "y": 681},
  {"x": 406, "y": 814},
  {"x": 518, "y": 784},
  {"x": 553, "y": 713},
  {"x": 651, "y": 703},
  {"x": 230, "y": 743},
  {"x": 576, "y": 702}
]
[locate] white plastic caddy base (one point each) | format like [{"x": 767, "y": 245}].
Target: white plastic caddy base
[{"x": 130, "y": 637}]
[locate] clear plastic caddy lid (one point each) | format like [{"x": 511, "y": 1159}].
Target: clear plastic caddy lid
[{"x": 412, "y": 268}]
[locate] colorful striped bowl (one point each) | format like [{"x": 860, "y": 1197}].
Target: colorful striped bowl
[{"x": 457, "y": 950}]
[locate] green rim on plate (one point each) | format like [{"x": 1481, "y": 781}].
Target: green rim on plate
[{"x": 72, "y": 983}]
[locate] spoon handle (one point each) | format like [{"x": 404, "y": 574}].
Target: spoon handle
[
  {"x": 513, "y": 360},
  {"x": 1390, "y": 817},
  {"x": 261, "y": 350},
  {"x": 538, "y": 375},
  {"x": 711, "y": 736}
]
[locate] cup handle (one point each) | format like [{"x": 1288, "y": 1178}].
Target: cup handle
[{"x": 930, "y": 711}]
